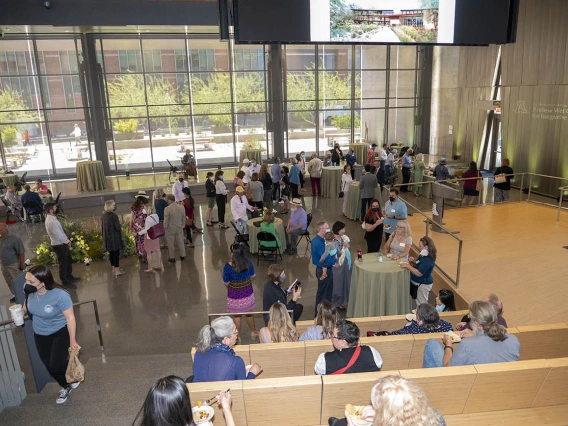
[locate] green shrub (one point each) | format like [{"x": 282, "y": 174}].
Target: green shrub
[
  {"x": 344, "y": 121},
  {"x": 9, "y": 136},
  {"x": 126, "y": 126}
]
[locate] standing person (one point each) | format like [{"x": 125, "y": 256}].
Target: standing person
[
  {"x": 421, "y": 279},
  {"x": 276, "y": 172},
  {"x": 336, "y": 155},
  {"x": 351, "y": 160},
  {"x": 138, "y": 215},
  {"x": 297, "y": 225},
  {"x": 237, "y": 277},
  {"x": 238, "y": 179},
  {"x": 246, "y": 170},
  {"x": 273, "y": 293},
  {"x": 177, "y": 188},
  {"x": 284, "y": 188},
  {"x": 76, "y": 133},
  {"x": 239, "y": 207},
  {"x": 151, "y": 246},
  {"x": 395, "y": 210},
  {"x": 12, "y": 257},
  {"x": 367, "y": 185},
  {"x": 160, "y": 203},
  {"x": 441, "y": 172},
  {"x": 60, "y": 244},
  {"x": 406, "y": 163},
  {"x": 257, "y": 191},
  {"x": 314, "y": 169},
  {"x": 295, "y": 178},
  {"x": 53, "y": 323},
  {"x": 341, "y": 273},
  {"x": 501, "y": 190},
  {"x": 383, "y": 155},
  {"x": 470, "y": 191},
  {"x": 389, "y": 164},
  {"x": 211, "y": 194},
  {"x": 324, "y": 272},
  {"x": 301, "y": 157},
  {"x": 254, "y": 167},
  {"x": 189, "y": 165},
  {"x": 418, "y": 174},
  {"x": 112, "y": 236},
  {"x": 26, "y": 138},
  {"x": 220, "y": 197},
  {"x": 371, "y": 154},
  {"x": 188, "y": 206},
  {"x": 266, "y": 181},
  {"x": 374, "y": 227},
  {"x": 346, "y": 179},
  {"x": 174, "y": 223}
]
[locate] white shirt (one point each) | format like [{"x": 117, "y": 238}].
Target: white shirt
[
  {"x": 220, "y": 188},
  {"x": 55, "y": 231},
  {"x": 239, "y": 207},
  {"x": 382, "y": 154},
  {"x": 177, "y": 189},
  {"x": 77, "y": 132},
  {"x": 151, "y": 220},
  {"x": 254, "y": 169},
  {"x": 248, "y": 174},
  {"x": 320, "y": 363}
]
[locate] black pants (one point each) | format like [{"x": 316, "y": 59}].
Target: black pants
[
  {"x": 405, "y": 179},
  {"x": 294, "y": 187},
  {"x": 65, "y": 263},
  {"x": 276, "y": 191},
  {"x": 188, "y": 230},
  {"x": 365, "y": 204},
  {"x": 374, "y": 244},
  {"x": 325, "y": 287},
  {"x": 301, "y": 179},
  {"x": 114, "y": 257},
  {"x": 53, "y": 352},
  {"x": 221, "y": 201}
]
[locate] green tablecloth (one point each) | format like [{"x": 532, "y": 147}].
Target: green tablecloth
[
  {"x": 250, "y": 153},
  {"x": 253, "y": 232},
  {"x": 90, "y": 176},
  {"x": 9, "y": 179},
  {"x": 354, "y": 200},
  {"x": 331, "y": 181},
  {"x": 360, "y": 151},
  {"x": 378, "y": 288}
]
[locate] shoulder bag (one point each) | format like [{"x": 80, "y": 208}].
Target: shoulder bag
[
  {"x": 354, "y": 358},
  {"x": 478, "y": 182},
  {"x": 341, "y": 193},
  {"x": 500, "y": 178},
  {"x": 157, "y": 230}
]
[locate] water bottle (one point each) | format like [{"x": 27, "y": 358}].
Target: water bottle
[
  {"x": 380, "y": 259},
  {"x": 360, "y": 255}
]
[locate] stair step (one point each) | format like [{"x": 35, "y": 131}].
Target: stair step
[
  {"x": 138, "y": 365},
  {"x": 182, "y": 356}
]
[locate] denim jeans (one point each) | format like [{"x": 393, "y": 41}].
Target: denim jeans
[{"x": 433, "y": 354}]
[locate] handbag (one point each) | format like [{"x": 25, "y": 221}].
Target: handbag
[
  {"x": 342, "y": 193},
  {"x": 500, "y": 178},
  {"x": 75, "y": 369},
  {"x": 286, "y": 190},
  {"x": 249, "y": 194},
  {"x": 188, "y": 222},
  {"x": 354, "y": 358},
  {"x": 157, "y": 230},
  {"x": 478, "y": 184}
]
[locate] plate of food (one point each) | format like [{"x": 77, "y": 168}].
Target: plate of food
[
  {"x": 389, "y": 255},
  {"x": 386, "y": 226},
  {"x": 455, "y": 337},
  {"x": 202, "y": 415},
  {"x": 356, "y": 414}
]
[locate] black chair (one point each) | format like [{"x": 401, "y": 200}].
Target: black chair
[
  {"x": 306, "y": 233},
  {"x": 59, "y": 206},
  {"x": 240, "y": 238},
  {"x": 264, "y": 237},
  {"x": 33, "y": 205},
  {"x": 23, "y": 178}
]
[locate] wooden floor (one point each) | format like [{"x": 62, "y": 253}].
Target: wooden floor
[{"x": 514, "y": 250}]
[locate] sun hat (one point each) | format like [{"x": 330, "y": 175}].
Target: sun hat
[
  {"x": 296, "y": 202},
  {"x": 246, "y": 161},
  {"x": 141, "y": 194}
]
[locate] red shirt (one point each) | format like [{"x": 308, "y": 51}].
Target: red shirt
[{"x": 470, "y": 184}]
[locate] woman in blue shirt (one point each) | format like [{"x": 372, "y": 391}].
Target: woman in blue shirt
[
  {"x": 427, "y": 321},
  {"x": 421, "y": 273},
  {"x": 215, "y": 360},
  {"x": 295, "y": 178},
  {"x": 53, "y": 323}
]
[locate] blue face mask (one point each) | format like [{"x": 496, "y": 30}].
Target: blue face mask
[
  {"x": 221, "y": 177},
  {"x": 282, "y": 277}
]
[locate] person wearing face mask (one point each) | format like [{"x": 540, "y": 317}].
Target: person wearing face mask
[
  {"x": 246, "y": 170},
  {"x": 112, "y": 236},
  {"x": 395, "y": 210},
  {"x": 177, "y": 188},
  {"x": 421, "y": 279},
  {"x": 53, "y": 323},
  {"x": 220, "y": 197},
  {"x": 138, "y": 215},
  {"x": 210, "y": 194},
  {"x": 301, "y": 158},
  {"x": 374, "y": 227},
  {"x": 297, "y": 225},
  {"x": 254, "y": 167},
  {"x": 273, "y": 293},
  {"x": 239, "y": 207}
]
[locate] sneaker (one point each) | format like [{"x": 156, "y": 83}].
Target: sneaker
[
  {"x": 74, "y": 385},
  {"x": 281, "y": 202},
  {"x": 63, "y": 395}
]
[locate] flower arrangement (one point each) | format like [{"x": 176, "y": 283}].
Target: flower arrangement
[{"x": 86, "y": 242}]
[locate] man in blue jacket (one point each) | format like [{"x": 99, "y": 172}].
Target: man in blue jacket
[{"x": 324, "y": 272}]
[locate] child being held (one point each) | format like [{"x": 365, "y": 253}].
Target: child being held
[{"x": 331, "y": 249}]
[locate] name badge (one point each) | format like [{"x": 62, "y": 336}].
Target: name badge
[
  {"x": 393, "y": 210},
  {"x": 417, "y": 262},
  {"x": 401, "y": 244}
]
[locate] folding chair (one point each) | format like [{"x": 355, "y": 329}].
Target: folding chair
[
  {"x": 33, "y": 205},
  {"x": 306, "y": 234},
  {"x": 265, "y": 237},
  {"x": 240, "y": 238}
]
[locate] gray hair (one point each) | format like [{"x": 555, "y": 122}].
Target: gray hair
[
  {"x": 294, "y": 161},
  {"x": 484, "y": 314},
  {"x": 109, "y": 204},
  {"x": 211, "y": 335},
  {"x": 496, "y": 302}
]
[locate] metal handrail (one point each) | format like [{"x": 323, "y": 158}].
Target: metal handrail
[
  {"x": 562, "y": 189},
  {"x": 10, "y": 323}
]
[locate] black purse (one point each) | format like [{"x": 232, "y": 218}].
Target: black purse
[{"x": 341, "y": 193}]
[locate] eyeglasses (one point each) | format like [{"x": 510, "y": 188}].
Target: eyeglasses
[
  {"x": 400, "y": 227},
  {"x": 236, "y": 332}
]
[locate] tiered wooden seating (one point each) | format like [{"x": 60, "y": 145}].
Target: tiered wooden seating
[{"x": 280, "y": 359}]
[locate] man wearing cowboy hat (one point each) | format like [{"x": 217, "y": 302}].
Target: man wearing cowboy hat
[
  {"x": 177, "y": 188},
  {"x": 297, "y": 225},
  {"x": 239, "y": 207}
]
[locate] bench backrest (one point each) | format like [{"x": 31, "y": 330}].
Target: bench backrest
[{"x": 279, "y": 359}]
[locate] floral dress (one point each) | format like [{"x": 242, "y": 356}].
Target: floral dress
[
  {"x": 240, "y": 294},
  {"x": 139, "y": 224}
]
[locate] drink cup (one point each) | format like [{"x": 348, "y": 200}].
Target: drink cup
[{"x": 17, "y": 314}]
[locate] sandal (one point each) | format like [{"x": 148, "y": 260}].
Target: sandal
[{"x": 209, "y": 224}]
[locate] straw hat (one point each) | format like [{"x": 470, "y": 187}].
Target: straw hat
[
  {"x": 239, "y": 189},
  {"x": 141, "y": 194},
  {"x": 296, "y": 202}
]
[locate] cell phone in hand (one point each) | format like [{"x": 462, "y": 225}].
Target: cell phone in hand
[{"x": 295, "y": 284}]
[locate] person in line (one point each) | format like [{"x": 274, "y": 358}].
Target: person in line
[
  {"x": 346, "y": 180},
  {"x": 297, "y": 225},
  {"x": 279, "y": 328},
  {"x": 238, "y": 179},
  {"x": 177, "y": 188},
  {"x": 168, "y": 403},
  {"x": 160, "y": 203},
  {"x": 284, "y": 185},
  {"x": 210, "y": 194},
  {"x": 53, "y": 323},
  {"x": 220, "y": 197},
  {"x": 441, "y": 172},
  {"x": 215, "y": 360},
  {"x": 266, "y": 180},
  {"x": 188, "y": 206},
  {"x": 301, "y": 157},
  {"x": 267, "y": 225},
  {"x": 174, "y": 224},
  {"x": 138, "y": 215},
  {"x": 247, "y": 171},
  {"x": 273, "y": 292},
  {"x": 489, "y": 342},
  {"x": 12, "y": 257},
  {"x": 254, "y": 167},
  {"x": 13, "y": 201},
  {"x": 324, "y": 272},
  {"x": 336, "y": 155},
  {"x": 348, "y": 356},
  {"x": 112, "y": 236},
  {"x": 501, "y": 190},
  {"x": 494, "y": 300},
  {"x": 391, "y": 160},
  {"x": 400, "y": 241},
  {"x": 395, "y": 401},
  {"x": 421, "y": 279},
  {"x": 60, "y": 244},
  {"x": 427, "y": 321},
  {"x": 276, "y": 173},
  {"x": 28, "y": 195},
  {"x": 367, "y": 185},
  {"x": 324, "y": 323},
  {"x": 418, "y": 174},
  {"x": 371, "y": 154},
  {"x": 314, "y": 169},
  {"x": 237, "y": 277},
  {"x": 342, "y": 270},
  {"x": 351, "y": 160},
  {"x": 41, "y": 188},
  {"x": 76, "y": 133},
  {"x": 239, "y": 207},
  {"x": 295, "y": 178},
  {"x": 406, "y": 164},
  {"x": 377, "y": 172},
  {"x": 383, "y": 155},
  {"x": 395, "y": 210},
  {"x": 257, "y": 192},
  {"x": 189, "y": 167},
  {"x": 374, "y": 227},
  {"x": 445, "y": 301},
  {"x": 151, "y": 246}
]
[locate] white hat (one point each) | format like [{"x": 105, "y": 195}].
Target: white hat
[
  {"x": 246, "y": 161},
  {"x": 141, "y": 194},
  {"x": 296, "y": 202}
]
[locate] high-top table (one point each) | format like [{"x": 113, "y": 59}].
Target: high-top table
[
  {"x": 254, "y": 230},
  {"x": 354, "y": 200},
  {"x": 90, "y": 176},
  {"x": 248, "y": 154},
  {"x": 378, "y": 288},
  {"x": 331, "y": 181}
]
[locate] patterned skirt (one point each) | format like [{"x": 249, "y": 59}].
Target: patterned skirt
[{"x": 240, "y": 296}]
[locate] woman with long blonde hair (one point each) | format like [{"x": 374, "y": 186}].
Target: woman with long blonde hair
[
  {"x": 324, "y": 324},
  {"x": 280, "y": 328}
]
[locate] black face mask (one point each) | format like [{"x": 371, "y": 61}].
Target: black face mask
[
  {"x": 375, "y": 209},
  {"x": 180, "y": 179},
  {"x": 392, "y": 199},
  {"x": 29, "y": 289}
]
